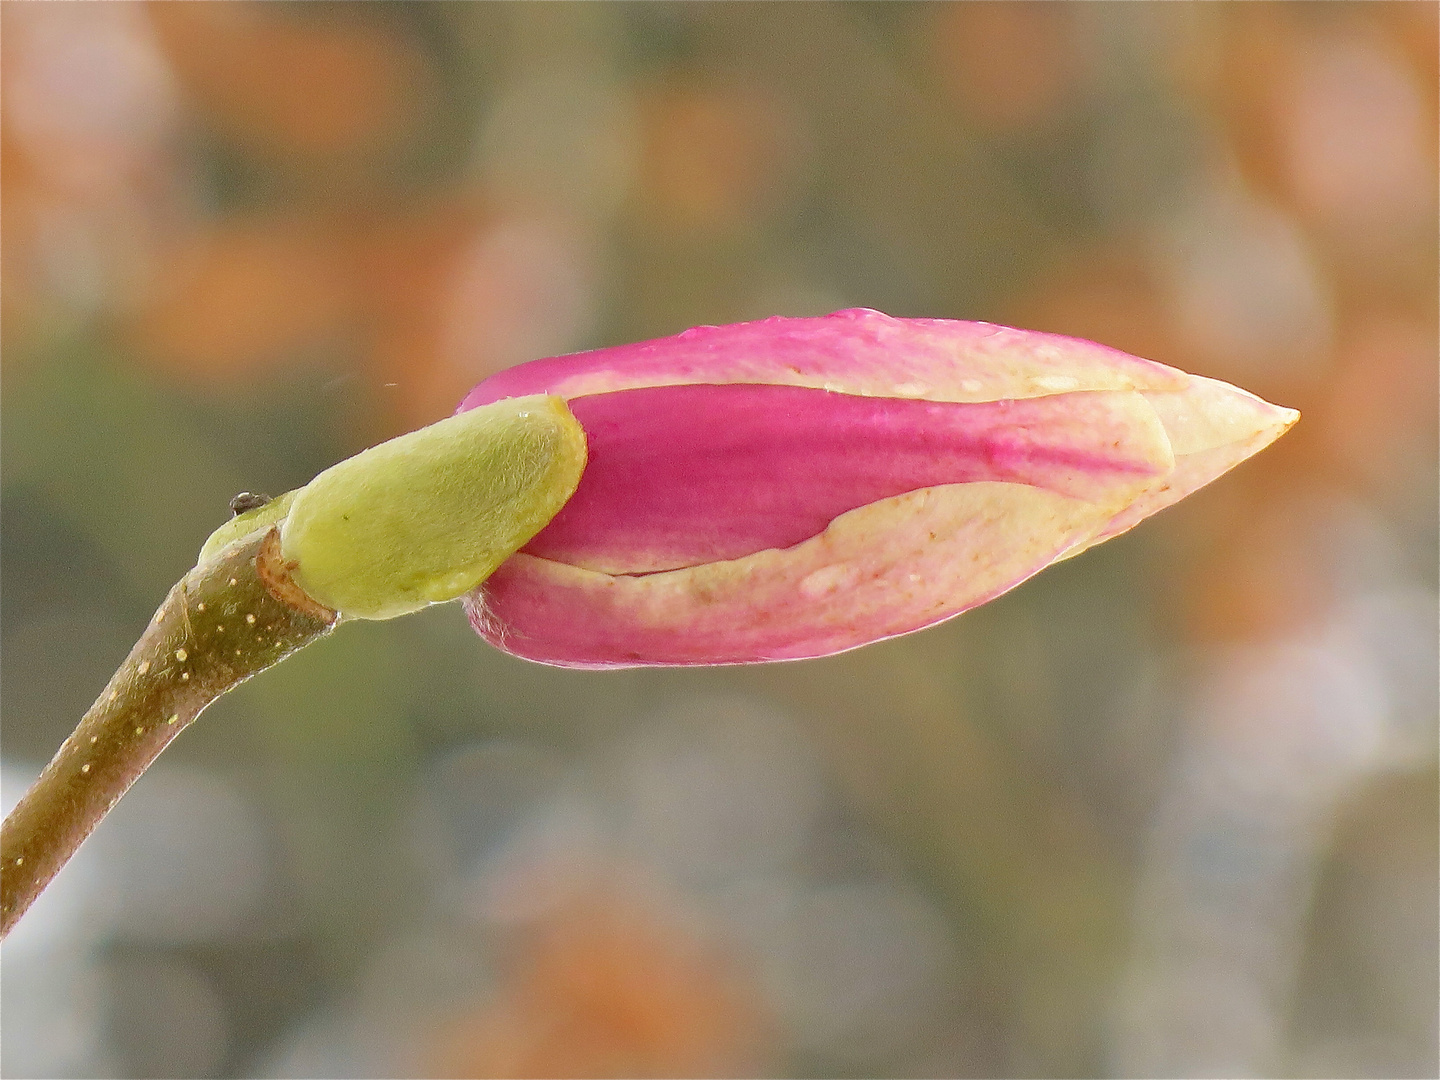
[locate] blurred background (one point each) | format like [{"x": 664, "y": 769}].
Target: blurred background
[{"x": 1168, "y": 810}]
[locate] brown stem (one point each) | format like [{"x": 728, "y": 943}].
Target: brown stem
[{"x": 227, "y": 619}]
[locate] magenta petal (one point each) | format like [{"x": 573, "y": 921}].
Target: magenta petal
[
  {"x": 854, "y": 352},
  {"x": 681, "y": 475}
]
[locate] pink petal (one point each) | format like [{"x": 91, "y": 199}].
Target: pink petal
[
  {"x": 855, "y": 352},
  {"x": 884, "y": 569},
  {"x": 681, "y": 475},
  {"x": 951, "y": 461}
]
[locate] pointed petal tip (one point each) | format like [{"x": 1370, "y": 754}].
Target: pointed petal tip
[
  {"x": 1207, "y": 414},
  {"x": 1286, "y": 418},
  {"x": 1213, "y": 427}
]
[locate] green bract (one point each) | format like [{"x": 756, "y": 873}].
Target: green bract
[{"x": 427, "y": 516}]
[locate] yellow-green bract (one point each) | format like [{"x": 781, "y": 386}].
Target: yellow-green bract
[{"x": 425, "y": 517}]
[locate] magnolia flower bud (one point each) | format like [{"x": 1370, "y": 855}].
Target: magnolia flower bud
[{"x": 797, "y": 487}]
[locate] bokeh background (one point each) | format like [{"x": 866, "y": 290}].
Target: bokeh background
[{"x": 1169, "y": 809}]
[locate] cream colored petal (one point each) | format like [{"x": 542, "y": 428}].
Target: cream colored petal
[
  {"x": 1212, "y": 426},
  {"x": 885, "y": 569}
]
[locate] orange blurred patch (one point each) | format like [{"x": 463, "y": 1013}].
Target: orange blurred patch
[
  {"x": 714, "y": 158},
  {"x": 1107, "y": 295},
  {"x": 1415, "y": 28},
  {"x": 611, "y": 987},
  {"x": 404, "y": 265},
  {"x": 241, "y": 299},
  {"x": 1331, "y": 109},
  {"x": 1379, "y": 422},
  {"x": 1253, "y": 57},
  {"x": 22, "y": 296},
  {"x": 89, "y": 175},
  {"x": 1008, "y": 66},
  {"x": 1251, "y": 566},
  {"x": 402, "y": 288},
  {"x": 297, "y": 87}
]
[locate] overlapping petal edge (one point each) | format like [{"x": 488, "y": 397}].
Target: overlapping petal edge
[{"x": 1027, "y": 448}]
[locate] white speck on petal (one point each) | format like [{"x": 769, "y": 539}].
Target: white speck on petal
[
  {"x": 1056, "y": 382},
  {"x": 826, "y": 580}
]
